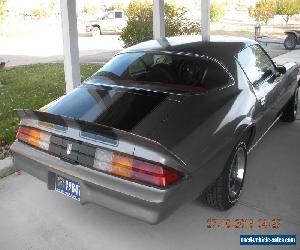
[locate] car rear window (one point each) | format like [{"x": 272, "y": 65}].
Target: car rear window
[{"x": 156, "y": 69}]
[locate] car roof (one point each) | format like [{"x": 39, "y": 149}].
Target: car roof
[
  {"x": 193, "y": 44},
  {"x": 186, "y": 42}
]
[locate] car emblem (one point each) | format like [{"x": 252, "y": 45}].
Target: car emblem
[{"x": 69, "y": 148}]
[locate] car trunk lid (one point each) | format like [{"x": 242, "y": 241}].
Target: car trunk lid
[{"x": 130, "y": 110}]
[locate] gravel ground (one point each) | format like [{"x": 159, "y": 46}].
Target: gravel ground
[{"x": 4, "y": 151}]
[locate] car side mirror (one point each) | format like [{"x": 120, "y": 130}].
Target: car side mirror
[{"x": 281, "y": 69}]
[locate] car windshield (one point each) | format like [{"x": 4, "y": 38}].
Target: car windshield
[{"x": 163, "y": 69}]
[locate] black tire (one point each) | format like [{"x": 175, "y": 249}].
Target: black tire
[
  {"x": 290, "y": 42},
  {"x": 96, "y": 31},
  {"x": 220, "y": 193},
  {"x": 290, "y": 111}
]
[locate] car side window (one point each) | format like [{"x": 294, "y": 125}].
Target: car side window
[
  {"x": 257, "y": 65},
  {"x": 137, "y": 67},
  {"x": 146, "y": 62},
  {"x": 118, "y": 14}
]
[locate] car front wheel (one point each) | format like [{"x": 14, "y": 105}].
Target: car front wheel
[{"x": 226, "y": 190}]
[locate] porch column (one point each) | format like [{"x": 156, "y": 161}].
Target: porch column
[
  {"x": 205, "y": 20},
  {"x": 158, "y": 19},
  {"x": 70, "y": 44}
]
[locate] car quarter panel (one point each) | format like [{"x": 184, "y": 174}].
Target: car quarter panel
[{"x": 205, "y": 128}]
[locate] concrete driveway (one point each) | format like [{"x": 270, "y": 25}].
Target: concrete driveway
[{"x": 31, "y": 217}]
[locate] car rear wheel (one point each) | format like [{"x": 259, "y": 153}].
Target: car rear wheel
[
  {"x": 96, "y": 31},
  {"x": 290, "y": 42},
  {"x": 290, "y": 111},
  {"x": 226, "y": 190}
]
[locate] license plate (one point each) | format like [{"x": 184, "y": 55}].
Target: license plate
[{"x": 67, "y": 187}]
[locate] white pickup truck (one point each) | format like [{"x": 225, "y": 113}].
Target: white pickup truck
[{"x": 111, "y": 23}]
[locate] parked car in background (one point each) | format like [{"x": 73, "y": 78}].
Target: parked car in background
[
  {"x": 110, "y": 23},
  {"x": 160, "y": 124}
]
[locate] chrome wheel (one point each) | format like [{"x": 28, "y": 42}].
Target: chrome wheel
[
  {"x": 225, "y": 191},
  {"x": 237, "y": 174}
]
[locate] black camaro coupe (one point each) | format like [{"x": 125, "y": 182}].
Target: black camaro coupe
[{"x": 160, "y": 124}]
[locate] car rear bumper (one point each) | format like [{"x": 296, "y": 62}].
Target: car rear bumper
[{"x": 143, "y": 202}]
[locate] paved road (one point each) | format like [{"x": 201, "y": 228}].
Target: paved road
[
  {"x": 46, "y": 46},
  {"x": 89, "y": 56},
  {"x": 101, "y": 56},
  {"x": 274, "y": 50},
  {"x": 274, "y": 47},
  {"x": 34, "y": 218}
]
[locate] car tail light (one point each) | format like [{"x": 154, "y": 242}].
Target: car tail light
[
  {"x": 130, "y": 167},
  {"x": 34, "y": 137}
]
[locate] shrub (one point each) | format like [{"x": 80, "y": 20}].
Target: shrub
[
  {"x": 140, "y": 22},
  {"x": 217, "y": 11}
]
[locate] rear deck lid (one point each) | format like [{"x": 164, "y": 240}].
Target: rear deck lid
[{"x": 137, "y": 111}]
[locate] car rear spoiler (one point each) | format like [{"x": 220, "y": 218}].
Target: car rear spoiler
[{"x": 102, "y": 136}]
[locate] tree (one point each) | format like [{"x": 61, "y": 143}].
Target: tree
[
  {"x": 117, "y": 6},
  {"x": 2, "y": 9},
  {"x": 140, "y": 22},
  {"x": 52, "y": 6},
  {"x": 263, "y": 11},
  {"x": 44, "y": 10},
  {"x": 39, "y": 13},
  {"x": 216, "y": 12},
  {"x": 91, "y": 9},
  {"x": 287, "y": 8}
]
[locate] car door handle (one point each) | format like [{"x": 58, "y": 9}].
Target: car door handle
[{"x": 262, "y": 101}]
